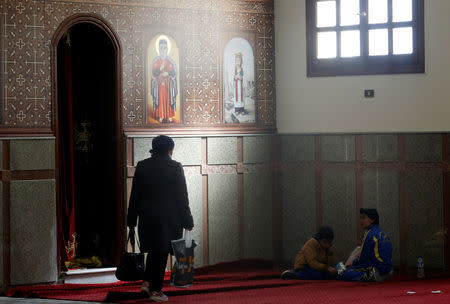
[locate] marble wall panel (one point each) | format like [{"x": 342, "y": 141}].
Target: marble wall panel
[
  {"x": 424, "y": 217},
  {"x": 295, "y": 148},
  {"x": 33, "y": 232},
  {"x": 423, "y": 147},
  {"x": 1, "y": 153},
  {"x": 380, "y": 148},
  {"x": 258, "y": 215},
  {"x": 141, "y": 148},
  {"x": 194, "y": 186},
  {"x": 299, "y": 211},
  {"x": 339, "y": 209},
  {"x": 380, "y": 191},
  {"x": 1, "y": 235},
  {"x": 32, "y": 154},
  {"x": 257, "y": 149},
  {"x": 223, "y": 218},
  {"x": 187, "y": 151},
  {"x": 222, "y": 150},
  {"x": 338, "y": 148}
]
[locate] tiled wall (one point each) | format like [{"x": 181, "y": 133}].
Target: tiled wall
[
  {"x": 33, "y": 232},
  {"x": 334, "y": 175},
  {"x": 229, "y": 181},
  {"x": 323, "y": 179},
  {"x": 29, "y": 182}
]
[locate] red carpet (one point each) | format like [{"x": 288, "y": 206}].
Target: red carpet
[{"x": 252, "y": 281}]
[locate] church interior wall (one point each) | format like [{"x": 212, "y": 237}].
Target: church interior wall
[
  {"x": 230, "y": 182},
  {"x": 1, "y": 234},
  {"x": 252, "y": 195},
  {"x": 402, "y": 102},
  {"x": 402, "y": 175},
  {"x": 28, "y": 211}
]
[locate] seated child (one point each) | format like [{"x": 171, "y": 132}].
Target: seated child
[
  {"x": 315, "y": 260},
  {"x": 373, "y": 261}
]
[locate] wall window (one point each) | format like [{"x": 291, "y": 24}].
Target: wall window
[{"x": 358, "y": 37}]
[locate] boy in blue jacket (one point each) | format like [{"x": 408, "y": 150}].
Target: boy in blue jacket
[{"x": 374, "y": 261}]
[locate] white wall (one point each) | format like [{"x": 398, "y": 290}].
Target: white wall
[{"x": 402, "y": 103}]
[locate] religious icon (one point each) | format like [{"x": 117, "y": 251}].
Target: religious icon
[
  {"x": 239, "y": 82},
  {"x": 163, "y": 98}
]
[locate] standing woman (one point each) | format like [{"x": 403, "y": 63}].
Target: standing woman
[{"x": 159, "y": 199}]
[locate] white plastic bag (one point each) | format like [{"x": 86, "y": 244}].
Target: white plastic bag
[
  {"x": 182, "y": 274},
  {"x": 188, "y": 238}
]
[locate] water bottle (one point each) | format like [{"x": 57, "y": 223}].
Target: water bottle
[
  {"x": 340, "y": 267},
  {"x": 420, "y": 268}
]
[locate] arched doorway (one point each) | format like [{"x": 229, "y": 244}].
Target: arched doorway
[{"x": 88, "y": 126}]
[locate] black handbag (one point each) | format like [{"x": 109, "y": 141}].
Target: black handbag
[{"x": 131, "y": 266}]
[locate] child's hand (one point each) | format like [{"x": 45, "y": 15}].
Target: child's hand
[{"x": 332, "y": 270}]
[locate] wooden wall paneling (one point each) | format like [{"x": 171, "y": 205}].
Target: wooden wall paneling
[
  {"x": 240, "y": 159},
  {"x": 402, "y": 203},
  {"x": 6, "y": 215},
  {"x": 359, "y": 186},
  {"x": 277, "y": 202},
  {"x": 318, "y": 173},
  {"x": 446, "y": 199},
  {"x": 205, "y": 201}
]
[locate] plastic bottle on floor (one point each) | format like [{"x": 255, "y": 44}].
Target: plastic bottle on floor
[{"x": 420, "y": 268}]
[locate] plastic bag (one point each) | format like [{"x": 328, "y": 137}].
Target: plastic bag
[{"x": 183, "y": 269}]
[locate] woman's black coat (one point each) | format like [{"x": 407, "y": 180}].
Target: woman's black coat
[{"x": 159, "y": 199}]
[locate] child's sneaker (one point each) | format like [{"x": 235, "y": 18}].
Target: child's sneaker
[
  {"x": 158, "y": 296},
  {"x": 288, "y": 274}
]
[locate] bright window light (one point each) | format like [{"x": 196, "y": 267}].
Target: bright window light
[
  {"x": 401, "y": 10},
  {"x": 378, "y": 11},
  {"x": 326, "y": 13},
  {"x": 326, "y": 45},
  {"x": 349, "y": 12},
  {"x": 350, "y": 46},
  {"x": 403, "y": 41},
  {"x": 378, "y": 42}
]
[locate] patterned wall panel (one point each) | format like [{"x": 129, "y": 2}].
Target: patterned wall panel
[
  {"x": 258, "y": 215},
  {"x": 257, "y": 149},
  {"x": 32, "y": 154},
  {"x": 339, "y": 206},
  {"x": 33, "y": 223},
  {"x": 299, "y": 210},
  {"x": 198, "y": 27},
  {"x": 223, "y": 218},
  {"x": 297, "y": 148},
  {"x": 423, "y": 147},
  {"x": 222, "y": 150},
  {"x": 380, "y": 148},
  {"x": 194, "y": 186},
  {"x": 338, "y": 148},
  {"x": 1, "y": 233},
  {"x": 380, "y": 191},
  {"x": 424, "y": 217}
]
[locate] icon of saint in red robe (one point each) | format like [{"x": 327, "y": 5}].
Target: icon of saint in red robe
[{"x": 164, "y": 88}]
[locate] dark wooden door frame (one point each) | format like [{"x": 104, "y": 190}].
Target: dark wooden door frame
[{"x": 101, "y": 23}]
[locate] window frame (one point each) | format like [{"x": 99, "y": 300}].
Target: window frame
[{"x": 365, "y": 64}]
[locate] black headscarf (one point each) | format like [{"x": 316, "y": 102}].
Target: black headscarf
[
  {"x": 372, "y": 214},
  {"x": 161, "y": 145}
]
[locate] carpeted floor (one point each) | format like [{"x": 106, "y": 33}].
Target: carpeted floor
[{"x": 253, "y": 282}]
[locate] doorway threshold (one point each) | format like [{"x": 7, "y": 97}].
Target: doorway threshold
[{"x": 89, "y": 276}]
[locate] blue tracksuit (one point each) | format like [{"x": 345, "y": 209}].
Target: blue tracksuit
[{"x": 376, "y": 251}]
